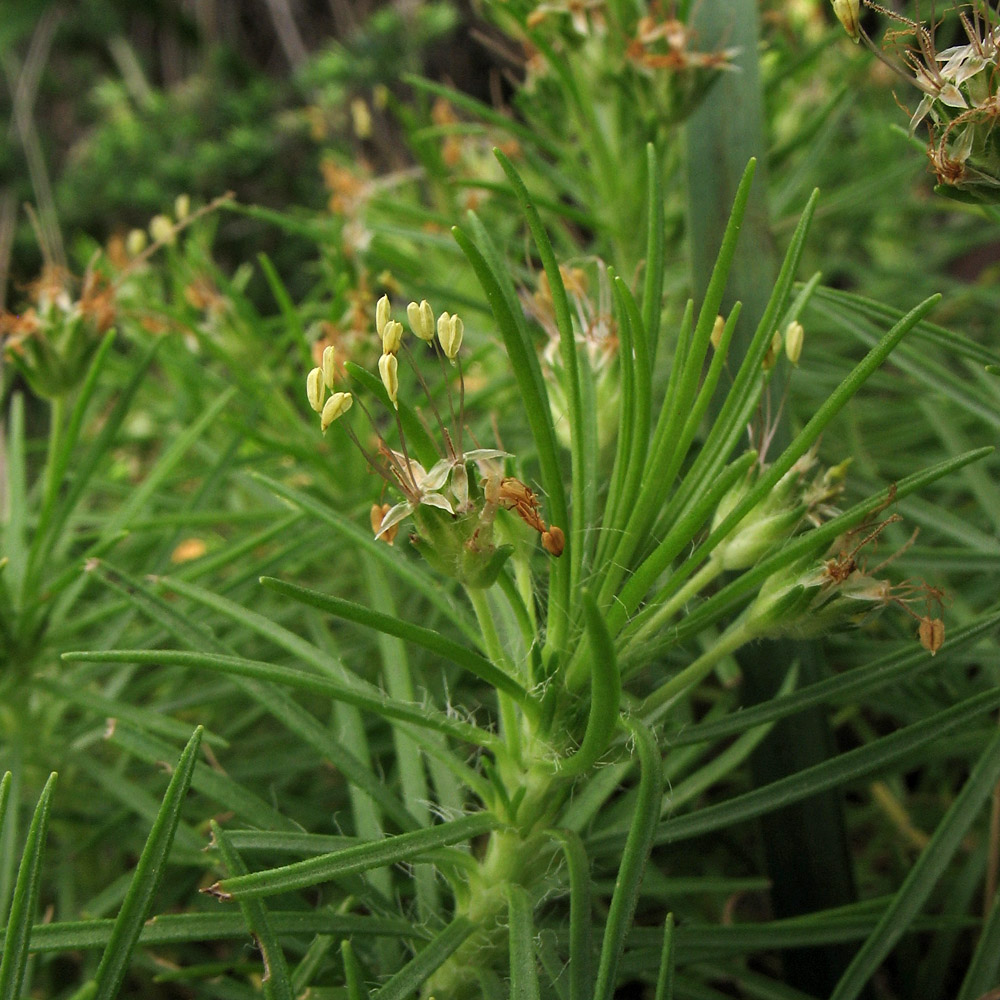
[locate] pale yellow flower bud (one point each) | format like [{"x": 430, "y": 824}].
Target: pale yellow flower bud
[
  {"x": 136, "y": 242},
  {"x": 162, "y": 229},
  {"x": 794, "y": 335},
  {"x": 315, "y": 390},
  {"x": 450, "y": 331},
  {"x": 848, "y": 12},
  {"x": 336, "y": 406},
  {"x": 717, "y": 329},
  {"x": 392, "y": 335},
  {"x": 421, "y": 319},
  {"x": 771, "y": 358},
  {"x": 182, "y": 206},
  {"x": 361, "y": 118},
  {"x": 388, "y": 369},
  {"x": 382, "y": 310},
  {"x": 328, "y": 366}
]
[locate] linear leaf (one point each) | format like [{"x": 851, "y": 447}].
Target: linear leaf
[
  {"x": 25, "y": 899},
  {"x": 426, "y": 962},
  {"x": 521, "y": 935},
  {"x": 634, "y": 858},
  {"x": 276, "y": 981},
  {"x": 363, "y": 857},
  {"x": 829, "y": 774},
  {"x": 924, "y": 874},
  {"x": 148, "y": 875},
  {"x": 428, "y": 638}
]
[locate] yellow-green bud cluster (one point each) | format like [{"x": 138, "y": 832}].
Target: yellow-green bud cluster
[{"x": 318, "y": 381}]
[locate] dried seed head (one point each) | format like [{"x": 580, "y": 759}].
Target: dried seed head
[
  {"x": 931, "y": 634},
  {"x": 377, "y": 517},
  {"x": 315, "y": 390},
  {"x": 336, "y": 406},
  {"x": 388, "y": 369},
  {"x": 421, "y": 319},
  {"x": 553, "y": 540}
]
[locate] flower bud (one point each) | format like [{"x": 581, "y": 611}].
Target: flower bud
[
  {"x": 388, "y": 368},
  {"x": 421, "y": 319},
  {"x": 336, "y": 406},
  {"x": 771, "y": 357},
  {"x": 315, "y": 390},
  {"x": 162, "y": 229},
  {"x": 848, "y": 12},
  {"x": 182, "y": 206},
  {"x": 794, "y": 335},
  {"x": 361, "y": 119},
  {"x": 392, "y": 335},
  {"x": 328, "y": 366},
  {"x": 717, "y": 330},
  {"x": 382, "y": 310},
  {"x": 136, "y": 242},
  {"x": 450, "y": 330}
]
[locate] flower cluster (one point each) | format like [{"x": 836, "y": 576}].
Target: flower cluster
[
  {"x": 960, "y": 87},
  {"x": 454, "y": 516}
]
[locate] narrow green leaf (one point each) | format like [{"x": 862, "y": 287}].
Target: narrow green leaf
[
  {"x": 605, "y": 693},
  {"x": 521, "y": 936},
  {"x": 652, "y": 289},
  {"x": 363, "y": 857},
  {"x": 146, "y": 879},
  {"x": 425, "y": 637},
  {"x": 534, "y": 397},
  {"x": 665, "y": 979},
  {"x": 25, "y": 899},
  {"x": 580, "y": 461},
  {"x": 378, "y": 703},
  {"x": 353, "y": 973},
  {"x": 15, "y": 482},
  {"x": 849, "y": 766},
  {"x": 634, "y": 858},
  {"x": 924, "y": 874},
  {"x": 409, "y": 574},
  {"x": 180, "y": 928},
  {"x": 853, "y": 686},
  {"x": 292, "y": 715},
  {"x": 426, "y": 962},
  {"x": 642, "y": 578},
  {"x": 983, "y": 971},
  {"x": 276, "y": 981},
  {"x": 580, "y": 929}
]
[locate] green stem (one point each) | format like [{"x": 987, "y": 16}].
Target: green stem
[
  {"x": 663, "y": 697},
  {"x": 510, "y": 719},
  {"x": 664, "y": 613}
]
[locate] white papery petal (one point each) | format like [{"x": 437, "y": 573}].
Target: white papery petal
[
  {"x": 393, "y": 516},
  {"x": 437, "y": 476},
  {"x": 436, "y": 500}
]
